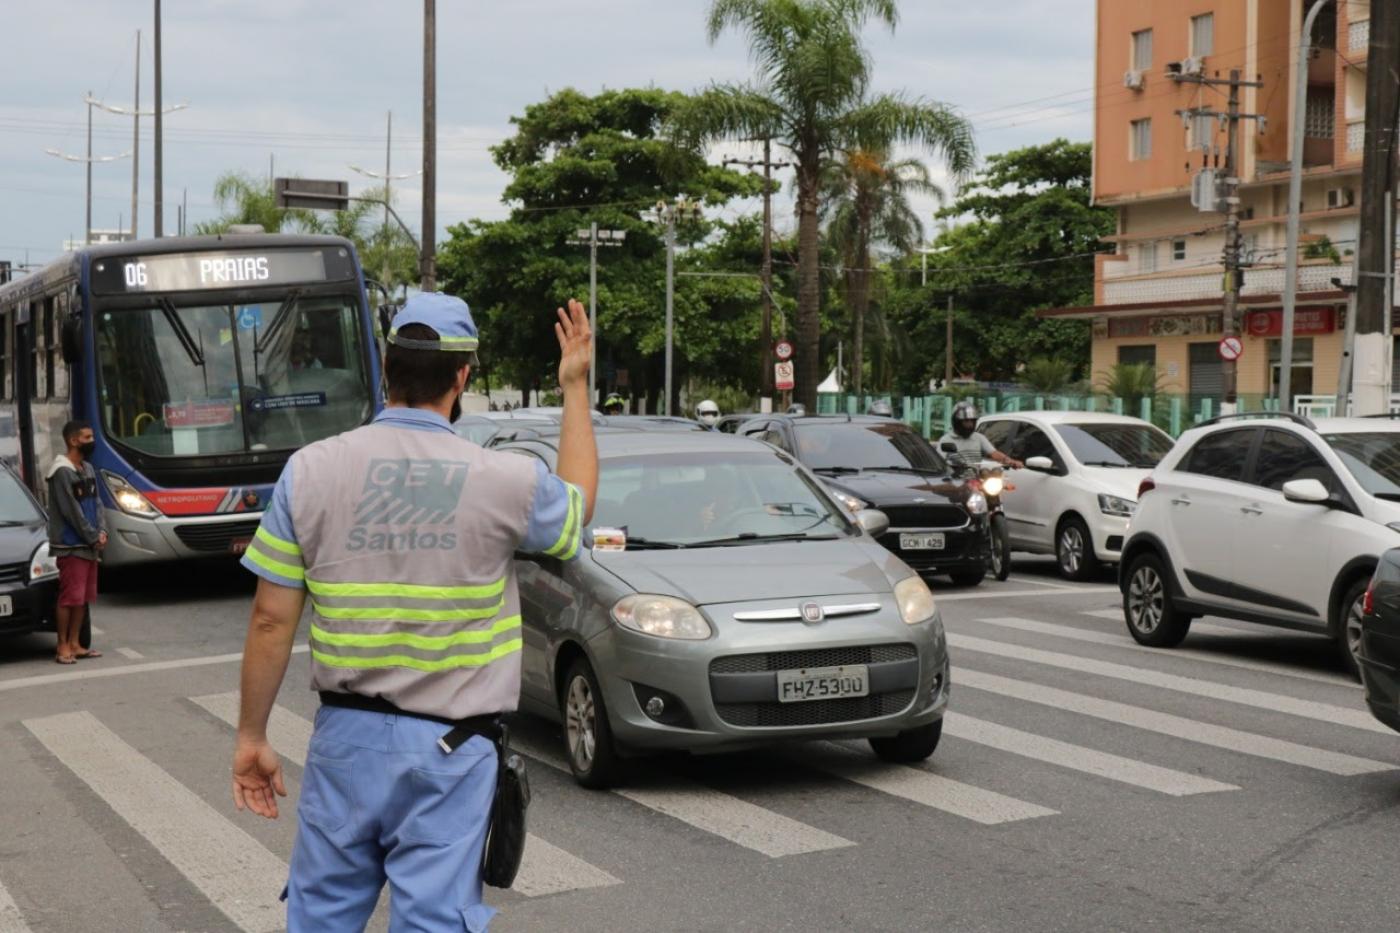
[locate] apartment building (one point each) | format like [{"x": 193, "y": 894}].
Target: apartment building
[{"x": 1158, "y": 296}]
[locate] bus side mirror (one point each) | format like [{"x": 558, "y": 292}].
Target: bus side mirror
[
  {"x": 386, "y": 319},
  {"x": 71, "y": 339},
  {"x": 948, "y": 447}
]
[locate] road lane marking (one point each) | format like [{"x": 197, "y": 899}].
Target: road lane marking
[
  {"x": 130, "y": 653},
  {"x": 1191, "y": 730},
  {"x": 923, "y": 787},
  {"x": 1126, "y": 642},
  {"x": 712, "y": 811},
  {"x": 1259, "y": 699},
  {"x": 1114, "y": 614},
  {"x": 944, "y": 597},
  {"x": 11, "y": 920},
  {"x": 231, "y": 868},
  {"x": 1037, "y": 582},
  {"x": 95, "y": 673},
  {"x": 1079, "y": 758},
  {"x": 546, "y": 869}
]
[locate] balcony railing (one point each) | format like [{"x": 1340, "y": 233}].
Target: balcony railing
[
  {"x": 1325, "y": 406},
  {"x": 1266, "y": 280}
]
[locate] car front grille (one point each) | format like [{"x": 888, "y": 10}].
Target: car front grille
[
  {"x": 815, "y": 712},
  {"x": 925, "y": 516},
  {"x": 818, "y": 657},
  {"x": 215, "y": 536},
  {"x": 13, "y": 573}
]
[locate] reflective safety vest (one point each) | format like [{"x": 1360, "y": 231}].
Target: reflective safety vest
[{"x": 408, "y": 541}]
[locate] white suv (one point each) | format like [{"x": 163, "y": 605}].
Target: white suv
[
  {"x": 1267, "y": 519},
  {"x": 1080, "y": 486}
]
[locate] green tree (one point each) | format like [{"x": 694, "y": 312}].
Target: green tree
[
  {"x": 810, "y": 97},
  {"x": 866, "y": 200},
  {"x": 576, "y": 159}
]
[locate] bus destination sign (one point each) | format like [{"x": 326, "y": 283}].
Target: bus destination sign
[{"x": 182, "y": 272}]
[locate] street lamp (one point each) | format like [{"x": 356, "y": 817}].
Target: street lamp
[
  {"x": 594, "y": 238},
  {"x": 666, "y": 215},
  {"x": 136, "y": 113},
  {"x": 88, "y": 160}
]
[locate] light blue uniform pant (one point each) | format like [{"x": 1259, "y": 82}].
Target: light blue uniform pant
[{"x": 380, "y": 799}]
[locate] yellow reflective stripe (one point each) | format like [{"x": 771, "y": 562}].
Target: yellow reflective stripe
[
  {"x": 290, "y": 571},
  {"x": 276, "y": 543},
  {"x": 402, "y": 614},
  {"x": 418, "y": 664},
  {"x": 408, "y": 590},
  {"x": 568, "y": 538},
  {"x": 410, "y": 640}
]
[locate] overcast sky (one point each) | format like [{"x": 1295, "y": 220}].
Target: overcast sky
[{"x": 308, "y": 83}]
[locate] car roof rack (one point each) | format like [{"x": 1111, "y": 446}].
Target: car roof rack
[{"x": 1243, "y": 415}]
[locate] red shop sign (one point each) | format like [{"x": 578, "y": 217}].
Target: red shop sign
[{"x": 1306, "y": 321}]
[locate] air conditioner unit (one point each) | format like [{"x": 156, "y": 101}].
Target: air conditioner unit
[
  {"x": 1133, "y": 80},
  {"x": 1193, "y": 65},
  {"x": 1339, "y": 197}
]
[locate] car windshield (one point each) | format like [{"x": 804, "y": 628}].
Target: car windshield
[
  {"x": 477, "y": 430},
  {"x": 220, "y": 378},
  {"x": 16, "y": 507},
  {"x": 693, "y": 498},
  {"x": 1122, "y": 445},
  {"x": 825, "y": 445},
  {"x": 1373, "y": 457}
]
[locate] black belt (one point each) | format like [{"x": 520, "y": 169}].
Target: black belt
[{"x": 488, "y": 725}]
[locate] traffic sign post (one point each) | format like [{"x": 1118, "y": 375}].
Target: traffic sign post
[
  {"x": 783, "y": 376},
  {"x": 1231, "y": 349},
  {"x": 783, "y": 350}
]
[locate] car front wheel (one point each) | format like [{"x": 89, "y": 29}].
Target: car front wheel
[
  {"x": 1349, "y": 636},
  {"x": 1152, "y": 617},
  {"x": 587, "y": 733},
  {"x": 1074, "y": 550},
  {"x": 908, "y": 746}
]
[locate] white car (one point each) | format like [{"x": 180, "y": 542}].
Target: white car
[
  {"x": 1080, "y": 484},
  {"x": 1269, "y": 519}
]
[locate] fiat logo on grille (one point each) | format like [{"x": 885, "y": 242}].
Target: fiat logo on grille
[{"x": 812, "y": 613}]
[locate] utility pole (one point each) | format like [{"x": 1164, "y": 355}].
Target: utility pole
[
  {"x": 766, "y": 268},
  {"x": 87, "y": 161},
  {"x": 428, "y": 257},
  {"x": 1229, "y": 199},
  {"x": 666, "y": 214},
  {"x": 159, "y": 224},
  {"x": 136, "y": 113},
  {"x": 388, "y": 180},
  {"x": 593, "y": 238},
  {"x": 1375, "y": 253}
]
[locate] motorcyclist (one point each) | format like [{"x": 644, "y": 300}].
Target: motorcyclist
[
  {"x": 707, "y": 413},
  {"x": 973, "y": 448},
  {"x": 613, "y": 404}
]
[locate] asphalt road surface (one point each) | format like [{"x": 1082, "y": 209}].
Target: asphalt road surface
[{"x": 1083, "y": 783}]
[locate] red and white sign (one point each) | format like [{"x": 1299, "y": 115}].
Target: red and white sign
[
  {"x": 783, "y": 350},
  {"x": 1306, "y": 322},
  {"x": 1231, "y": 348},
  {"x": 782, "y": 376},
  {"x": 197, "y": 414}
]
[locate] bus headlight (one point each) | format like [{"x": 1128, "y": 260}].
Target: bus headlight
[
  {"x": 128, "y": 497},
  {"x": 42, "y": 565}
]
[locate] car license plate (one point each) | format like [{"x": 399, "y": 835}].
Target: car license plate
[
  {"x": 239, "y": 545},
  {"x": 7, "y": 606},
  {"x": 823, "y": 683},
  {"x": 921, "y": 542}
]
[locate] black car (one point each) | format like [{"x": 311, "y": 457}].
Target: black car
[
  {"x": 28, "y": 575},
  {"x": 938, "y": 523},
  {"x": 1379, "y": 655}
]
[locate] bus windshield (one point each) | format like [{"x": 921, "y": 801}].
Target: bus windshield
[{"x": 202, "y": 378}]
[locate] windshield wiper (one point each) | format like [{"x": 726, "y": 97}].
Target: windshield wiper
[
  {"x": 14, "y": 523},
  {"x": 1106, "y": 463},
  {"x": 260, "y": 342},
  {"x": 836, "y": 471},
  {"x": 922, "y": 471},
  {"x": 753, "y": 536},
  {"x": 182, "y": 333},
  {"x": 646, "y": 544},
  {"x": 1387, "y": 496}
]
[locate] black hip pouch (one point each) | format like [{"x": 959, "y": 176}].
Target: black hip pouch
[{"x": 505, "y": 838}]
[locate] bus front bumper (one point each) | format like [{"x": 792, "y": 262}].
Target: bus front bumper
[{"x": 135, "y": 540}]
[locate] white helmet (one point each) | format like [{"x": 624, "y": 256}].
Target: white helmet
[{"x": 708, "y": 412}]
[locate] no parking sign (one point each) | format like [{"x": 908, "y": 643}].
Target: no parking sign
[{"x": 1231, "y": 349}]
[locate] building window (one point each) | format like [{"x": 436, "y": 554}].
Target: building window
[
  {"x": 1301, "y": 380},
  {"x": 1202, "y": 35},
  {"x": 1321, "y": 114},
  {"x": 1140, "y": 139},
  {"x": 1147, "y": 257},
  {"x": 1178, "y": 250},
  {"x": 1142, "y": 50},
  {"x": 1138, "y": 355}
]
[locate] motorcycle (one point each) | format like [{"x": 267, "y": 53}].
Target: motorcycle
[{"x": 991, "y": 482}]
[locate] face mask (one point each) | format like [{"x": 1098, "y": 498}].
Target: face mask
[{"x": 87, "y": 449}]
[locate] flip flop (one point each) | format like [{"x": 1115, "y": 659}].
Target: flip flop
[
  {"x": 90, "y": 653},
  {"x": 59, "y": 659}
]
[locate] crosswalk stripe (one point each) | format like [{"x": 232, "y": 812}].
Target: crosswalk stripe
[
  {"x": 1246, "y": 743},
  {"x": 231, "y": 868},
  {"x": 1197, "y": 627},
  {"x": 546, "y": 869},
  {"x": 924, "y": 787},
  {"x": 956, "y": 597},
  {"x": 1079, "y": 758},
  {"x": 1114, "y": 614},
  {"x": 720, "y": 814},
  {"x": 1126, "y": 642},
  {"x": 1274, "y": 702},
  {"x": 11, "y": 921}
]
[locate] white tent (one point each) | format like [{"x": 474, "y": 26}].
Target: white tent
[{"x": 831, "y": 384}]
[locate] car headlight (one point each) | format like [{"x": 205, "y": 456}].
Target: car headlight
[
  {"x": 42, "y": 565},
  {"x": 852, "y": 503},
  {"x": 915, "y": 601},
  {"x": 1114, "y": 505},
  {"x": 977, "y": 504},
  {"x": 992, "y": 485},
  {"x": 662, "y": 616},
  {"x": 128, "y": 497}
]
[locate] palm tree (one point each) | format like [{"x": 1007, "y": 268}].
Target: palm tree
[
  {"x": 810, "y": 98},
  {"x": 866, "y": 201}
]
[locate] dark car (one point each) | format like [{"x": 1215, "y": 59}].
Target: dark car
[
  {"x": 730, "y": 424},
  {"x": 1379, "y": 654},
  {"x": 28, "y": 575},
  {"x": 938, "y": 522}
]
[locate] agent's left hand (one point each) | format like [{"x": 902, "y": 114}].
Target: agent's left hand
[{"x": 257, "y": 778}]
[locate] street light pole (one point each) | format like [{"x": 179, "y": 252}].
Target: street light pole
[
  {"x": 666, "y": 214},
  {"x": 159, "y": 180},
  {"x": 136, "y": 113},
  {"x": 428, "y": 258},
  {"x": 87, "y": 223}
]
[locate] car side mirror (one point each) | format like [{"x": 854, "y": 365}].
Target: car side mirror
[
  {"x": 1041, "y": 464},
  {"x": 71, "y": 339},
  {"x": 873, "y": 521},
  {"x": 1309, "y": 491},
  {"x": 948, "y": 447}
]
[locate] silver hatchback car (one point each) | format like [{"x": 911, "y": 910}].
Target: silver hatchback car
[{"x": 745, "y": 606}]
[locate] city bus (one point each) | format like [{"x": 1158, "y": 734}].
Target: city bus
[{"x": 201, "y": 363}]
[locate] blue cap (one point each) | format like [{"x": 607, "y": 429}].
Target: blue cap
[{"x": 446, "y": 314}]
